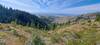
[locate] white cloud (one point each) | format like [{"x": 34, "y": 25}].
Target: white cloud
[
  {"x": 20, "y": 5},
  {"x": 55, "y": 6},
  {"x": 78, "y": 10},
  {"x": 83, "y": 9}
]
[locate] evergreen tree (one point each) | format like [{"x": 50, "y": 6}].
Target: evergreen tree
[{"x": 9, "y": 15}]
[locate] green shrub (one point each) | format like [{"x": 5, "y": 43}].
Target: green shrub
[
  {"x": 36, "y": 40},
  {"x": 98, "y": 17}
]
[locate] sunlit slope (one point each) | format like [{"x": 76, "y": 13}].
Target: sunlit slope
[{"x": 82, "y": 33}]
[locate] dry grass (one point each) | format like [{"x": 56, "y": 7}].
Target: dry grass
[{"x": 76, "y": 34}]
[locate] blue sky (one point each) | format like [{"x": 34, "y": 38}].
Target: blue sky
[{"x": 54, "y": 6}]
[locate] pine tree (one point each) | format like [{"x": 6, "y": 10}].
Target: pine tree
[{"x": 98, "y": 17}]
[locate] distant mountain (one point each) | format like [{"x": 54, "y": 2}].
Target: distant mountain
[
  {"x": 8, "y": 15},
  {"x": 54, "y": 14},
  {"x": 65, "y": 19}
]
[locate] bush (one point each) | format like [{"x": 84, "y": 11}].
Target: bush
[
  {"x": 2, "y": 42},
  {"x": 98, "y": 17},
  {"x": 36, "y": 40}
]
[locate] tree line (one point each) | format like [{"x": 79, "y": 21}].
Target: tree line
[{"x": 8, "y": 15}]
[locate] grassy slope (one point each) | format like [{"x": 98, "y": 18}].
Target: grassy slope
[{"x": 83, "y": 33}]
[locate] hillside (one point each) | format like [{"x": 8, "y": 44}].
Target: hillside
[
  {"x": 65, "y": 19},
  {"x": 9, "y": 15},
  {"x": 84, "y": 32}
]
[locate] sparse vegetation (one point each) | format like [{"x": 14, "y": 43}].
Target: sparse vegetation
[{"x": 81, "y": 33}]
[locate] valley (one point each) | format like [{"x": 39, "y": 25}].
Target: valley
[{"x": 22, "y": 28}]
